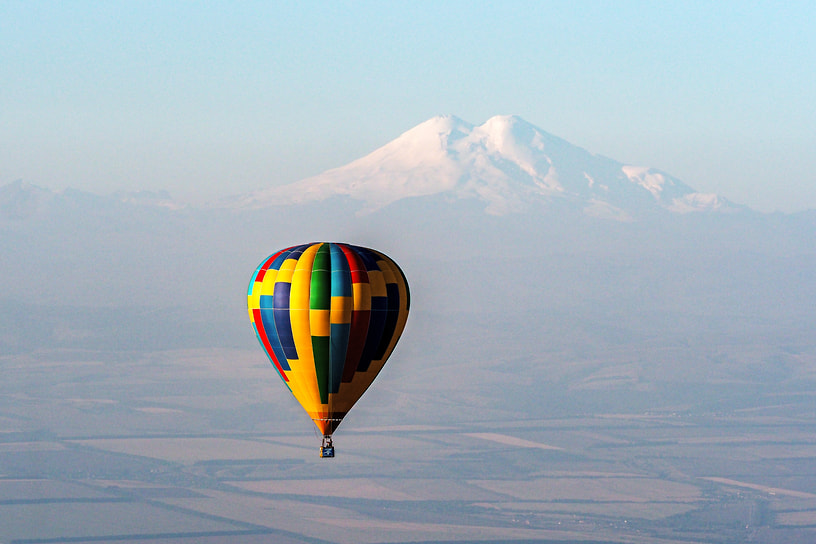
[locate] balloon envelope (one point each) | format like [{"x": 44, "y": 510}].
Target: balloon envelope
[{"x": 328, "y": 316}]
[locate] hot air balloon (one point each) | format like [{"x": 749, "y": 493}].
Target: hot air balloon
[{"x": 328, "y": 315}]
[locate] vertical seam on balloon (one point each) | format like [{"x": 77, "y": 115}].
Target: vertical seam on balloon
[
  {"x": 320, "y": 316},
  {"x": 285, "y": 319},
  {"x": 402, "y": 306},
  {"x": 302, "y": 333},
  {"x": 376, "y": 324}
]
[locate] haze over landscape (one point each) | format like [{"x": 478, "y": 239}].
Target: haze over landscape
[
  {"x": 599, "y": 349},
  {"x": 562, "y": 304}
]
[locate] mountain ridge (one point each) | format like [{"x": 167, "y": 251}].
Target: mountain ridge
[
  {"x": 506, "y": 162},
  {"x": 505, "y": 165}
]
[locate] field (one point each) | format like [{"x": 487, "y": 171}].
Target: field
[{"x": 206, "y": 446}]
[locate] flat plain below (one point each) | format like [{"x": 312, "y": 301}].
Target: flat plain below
[{"x": 205, "y": 446}]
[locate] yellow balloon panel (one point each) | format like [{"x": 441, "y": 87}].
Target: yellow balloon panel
[{"x": 328, "y": 315}]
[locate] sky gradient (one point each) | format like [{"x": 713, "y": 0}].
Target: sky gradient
[{"x": 210, "y": 99}]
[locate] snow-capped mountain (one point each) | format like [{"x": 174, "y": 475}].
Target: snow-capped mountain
[{"x": 506, "y": 162}]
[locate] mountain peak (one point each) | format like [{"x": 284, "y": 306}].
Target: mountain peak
[
  {"x": 442, "y": 124},
  {"x": 507, "y": 125},
  {"x": 21, "y": 200},
  {"x": 507, "y": 163}
]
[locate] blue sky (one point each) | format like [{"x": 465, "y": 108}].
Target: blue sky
[{"x": 210, "y": 99}]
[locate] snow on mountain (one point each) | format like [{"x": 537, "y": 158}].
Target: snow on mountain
[{"x": 506, "y": 162}]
